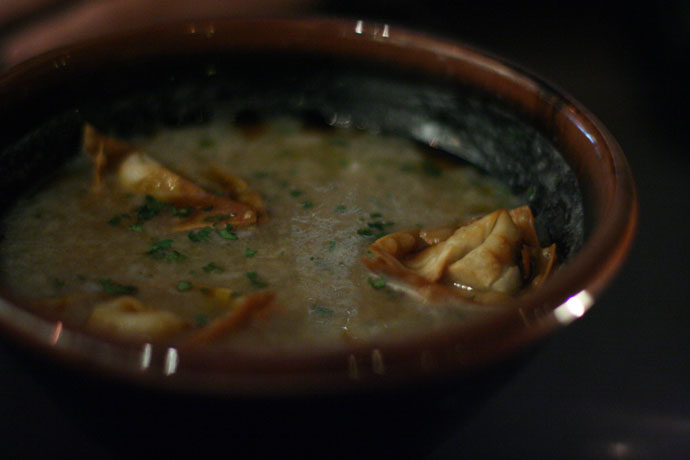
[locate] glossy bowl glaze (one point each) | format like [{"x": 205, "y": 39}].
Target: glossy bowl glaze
[{"x": 374, "y": 76}]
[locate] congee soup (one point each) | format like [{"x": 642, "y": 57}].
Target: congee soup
[{"x": 274, "y": 234}]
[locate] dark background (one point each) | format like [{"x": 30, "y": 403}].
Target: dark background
[{"x": 614, "y": 384}]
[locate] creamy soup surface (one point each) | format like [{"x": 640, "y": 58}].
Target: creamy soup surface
[{"x": 329, "y": 193}]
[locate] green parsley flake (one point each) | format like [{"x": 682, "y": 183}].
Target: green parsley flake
[
  {"x": 136, "y": 227},
  {"x": 380, "y": 225},
  {"x": 340, "y": 208},
  {"x": 201, "y": 320},
  {"x": 227, "y": 233},
  {"x": 115, "y": 288},
  {"x": 163, "y": 250},
  {"x": 151, "y": 208},
  {"x": 249, "y": 252},
  {"x": 201, "y": 235},
  {"x": 295, "y": 193},
  {"x": 307, "y": 204},
  {"x": 331, "y": 245},
  {"x": 365, "y": 232},
  {"x": 377, "y": 283},
  {"x": 256, "y": 280},
  {"x": 183, "y": 212},
  {"x": 184, "y": 286},
  {"x": 115, "y": 221},
  {"x": 212, "y": 267}
]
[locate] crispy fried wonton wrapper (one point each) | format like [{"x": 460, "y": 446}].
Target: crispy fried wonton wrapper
[
  {"x": 139, "y": 173},
  {"x": 487, "y": 259},
  {"x": 129, "y": 318}
]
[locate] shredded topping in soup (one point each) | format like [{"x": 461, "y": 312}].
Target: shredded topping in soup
[{"x": 276, "y": 237}]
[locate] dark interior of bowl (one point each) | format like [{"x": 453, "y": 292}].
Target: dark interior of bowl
[{"x": 139, "y": 97}]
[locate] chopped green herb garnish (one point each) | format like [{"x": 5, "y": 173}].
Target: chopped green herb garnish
[
  {"x": 184, "y": 286},
  {"x": 260, "y": 174},
  {"x": 58, "y": 283},
  {"x": 377, "y": 283},
  {"x": 227, "y": 233},
  {"x": 375, "y": 215},
  {"x": 379, "y": 225},
  {"x": 201, "y": 320},
  {"x": 307, "y": 204},
  {"x": 163, "y": 250},
  {"x": 136, "y": 227},
  {"x": 151, "y": 208},
  {"x": 249, "y": 252},
  {"x": 322, "y": 310},
  {"x": 207, "y": 208},
  {"x": 340, "y": 208},
  {"x": 115, "y": 288},
  {"x": 213, "y": 267},
  {"x": 175, "y": 256},
  {"x": 201, "y": 235},
  {"x": 365, "y": 232},
  {"x": 235, "y": 294},
  {"x": 331, "y": 245},
  {"x": 296, "y": 192},
  {"x": 256, "y": 281},
  {"x": 115, "y": 221},
  {"x": 161, "y": 245},
  {"x": 183, "y": 212}
]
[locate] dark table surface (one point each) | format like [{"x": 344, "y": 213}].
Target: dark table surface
[{"x": 614, "y": 384}]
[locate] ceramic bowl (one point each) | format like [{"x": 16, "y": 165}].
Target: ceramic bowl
[{"x": 503, "y": 119}]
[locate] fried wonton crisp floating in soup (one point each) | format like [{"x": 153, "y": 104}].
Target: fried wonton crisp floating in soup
[
  {"x": 486, "y": 259},
  {"x": 139, "y": 173},
  {"x": 289, "y": 237}
]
